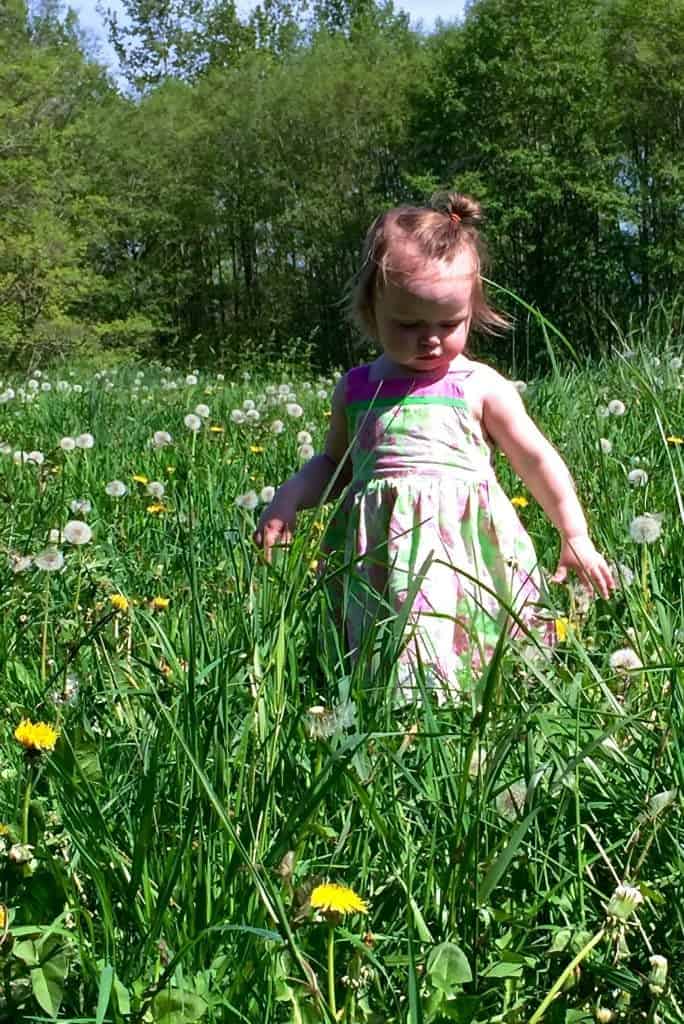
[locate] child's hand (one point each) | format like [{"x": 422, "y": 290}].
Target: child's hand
[
  {"x": 276, "y": 525},
  {"x": 579, "y": 554}
]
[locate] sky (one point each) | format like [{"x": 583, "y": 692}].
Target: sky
[{"x": 425, "y": 11}]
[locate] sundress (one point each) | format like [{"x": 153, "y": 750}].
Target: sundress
[{"x": 429, "y": 538}]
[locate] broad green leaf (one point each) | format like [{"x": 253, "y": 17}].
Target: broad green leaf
[
  {"x": 175, "y": 1006},
  {"x": 448, "y": 967},
  {"x": 104, "y": 992}
]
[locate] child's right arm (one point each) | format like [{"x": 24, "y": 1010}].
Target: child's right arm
[{"x": 306, "y": 488}]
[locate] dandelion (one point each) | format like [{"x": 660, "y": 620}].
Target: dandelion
[
  {"x": 625, "y": 660},
  {"x": 511, "y": 801},
  {"x": 637, "y": 477},
  {"x": 257, "y": 449},
  {"x": 85, "y": 441},
  {"x": 248, "y": 404},
  {"x": 647, "y": 528},
  {"x": 81, "y": 505},
  {"x": 562, "y": 625},
  {"x": 33, "y": 385},
  {"x": 193, "y": 422},
  {"x": 116, "y": 489},
  {"x": 331, "y": 898},
  {"x": 202, "y": 411},
  {"x": 156, "y": 509},
  {"x": 191, "y": 379},
  {"x": 77, "y": 532},
  {"x": 55, "y": 536},
  {"x": 248, "y": 501},
  {"x": 46, "y": 386},
  {"x": 19, "y": 563},
  {"x": 277, "y": 427},
  {"x": 237, "y": 416},
  {"x": 320, "y": 723},
  {"x": 284, "y": 390},
  {"x": 160, "y": 604},
  {"x": 49, "y": 560},
  {"x": 624, "y": 902},
  {"x": 616, "y": 407},
  {"x": 37, "y": 458},
  {"x": 605, "y": 445},
  {"x": 67, "y": 444},
  {"x": 294, "y": 410},
  {"x": 119, "y": 603},
  {"x": 305, "y": 452},
  {"x": 676, "y": 363},
  {"x": 140, "y": 478},
  {"x": 156, "y": 489},
  {"x": 216, "y": 428},
  {"x": 253, "y": 415},
  {"x": 674, "y": 439},
  {"x": 220, "y": 377},
  {"x": 36, "y": 737},
  {"x": 5, "y": 448},
  {"x": 657, "y": 979},
  {"x": 519, "y": 501},
  {"x": 520, "y": 386},
  {"x": 304, "y": 437},
  {"x": 161, "y": 438},
  {"x": 267, "y": 494},
  {"x": 77, "y": 389},
  {"x": 603, "y": 412}
]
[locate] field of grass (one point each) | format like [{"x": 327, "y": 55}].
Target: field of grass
[{"x": 218, "y": 758}]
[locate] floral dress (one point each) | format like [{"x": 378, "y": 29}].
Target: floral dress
[{"x": 430, "y": 538}]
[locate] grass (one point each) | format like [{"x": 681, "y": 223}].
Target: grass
[{"x": 193, "y": 800}]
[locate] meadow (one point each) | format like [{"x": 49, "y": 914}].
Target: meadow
[{"x": 187, "y": 756}]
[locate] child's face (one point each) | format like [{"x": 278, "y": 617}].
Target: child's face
[{"x": 422, "y": 314}]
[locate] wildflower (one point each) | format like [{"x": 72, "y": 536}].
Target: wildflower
[
  {"x": 562, "y": 628},
  {"x": 637, "y": 477},
  {"x": 156, "y": 489},
  {"x": 46, "y": 386},
  {"x": 33, "y": 385},
  {"x": 116, "y": 489},
  {"x": 237, "y": 416},
  {"x": 19, "y": 563},
  {"x": 161, "y": 438},
  {"x": 676, "y": 363},
  {"x": 77, "y": 389},
  {"x": 77, "y": 532},
  {"x": 5, "y": 448},
  {"x": 49, "y": 560},
  {"x": 284, "y": 390},
  {"x": 156, "y": 509},
  {"x": 294, "y": 410},
  {"x": 202, "y": 411},
  {"x": 603, "y": 412},
  {"x": 55, "y": 536},
  {"x": 616, "y": 407},
  {"x": 35, "y": 737},
  {"x": 621, "y": 573},
  {"x": 625, "y": 660},
  {"x": 624, "y": 902},
  {"x": 322, "y": 394},
  {"x": 119, "y": 602},
  {"x": 37, "y": 458},
  {"x": 220, "y": 377},
  {"x": 267, "y": 494},
  {"x": 305, "y": 451},
  {"x": 657, "y": 979},
  {"x": 69, "y": 692},
  {"x": 140, "y": 478},
  {"x": 331, "y": 898},
  {"x": 81, "y": 505},
  {"x": 604, "y": 1015},
  {"x": 63, "y": 385},
  {"x": 256, "y": 448},
  {"x": 248, "y": 501},
  {"x": 511, "y": 801},
  {"x": 20, "y": 853},
  {"x": 191, "y": 379},
  {"x": 19, "y": 457},
  {"x": 519, "y": 501},
  {"x": 67, "y": 444},
  {"x": 253, "y": 415},
  {"x": 647, "y": 528},
  {"x": 320, "y": 723},
  {"x": 216, "y": 428},
  {"x": 605, "y": 445},
  {"x": 673, "y": 439},
  {"x": 160, "y": 604},
  {"x": 304, "y": 437},
  {"x": 192, "y": 422},
  {"x": 248, "y": 404},
  {"x": 85, "y": 441},
  {"x": 277, "y": 427}
]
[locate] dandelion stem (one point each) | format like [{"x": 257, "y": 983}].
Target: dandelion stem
[
  {"x": 556, "y": 988},
  {"x": 43, "y": 645},
  {"x": 27, "y": 805},
  {"x": 331, "y": 970}
]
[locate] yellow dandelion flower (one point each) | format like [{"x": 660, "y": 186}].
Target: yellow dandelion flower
[
  {"x": 140, "y": 478},
  {"x": 256, "y": 448},
  {"x": 119, "y": 602},
  {"x": 562, "y": 628},
  {"x": 319, "y": 526},
  {"x": 38, "y": 736},
  {"x": 313, "y": 565},
  {"x": 215, "y": 428},
  {"x": 170, "y": 470},
  {"x": 519, "y": 501},
  {"x": 337, "y": 899},
  {"x": 673, "y": 439},
  {"x": 3, "y": 918},
  {"x": 156, "y": 510},
  {"x": 160, "y": 604}
]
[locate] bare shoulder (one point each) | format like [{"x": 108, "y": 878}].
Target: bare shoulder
[{"x": 483, "y": 386}]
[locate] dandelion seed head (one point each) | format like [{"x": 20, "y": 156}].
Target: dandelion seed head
[
  {"x": 277, "y": 427},
  {"x": 156, "y": 489},
  {"x": 304, "y": 437},
  {"x": 646, "y": 529},
  {"x": 192, "y": 422},
  {"x": 237, "y": 416},
  {"x": 605, "y": 445},
  {"x": 625, "y": 660},
  {"x": 637, "y": 477},
  {"x": 191, "y": 379},
  {"x": 85, "y": 441},
  {"x": 67, "y": 444},
  {"x": 616, "y": 407},
  {"x": 202, "y": 410},
  {"x": 248, "y": 501},
  {"x": 80, "y": 505},
  {"x": 294, "y": 410},
  {"x": 77, "y": 532},
  {"x": 510, "y": 802},
  {"x": 248, "y": 404},
  {"x": 161, "y": 438},
  {"x": 116, "y": 489},
  {"x": 267, "y": 494},
  {"x": 253, "y": 415},
  {"x": 50, "y": 560}
]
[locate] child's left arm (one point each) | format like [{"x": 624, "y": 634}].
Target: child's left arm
[{"x": 539, "y": 465}]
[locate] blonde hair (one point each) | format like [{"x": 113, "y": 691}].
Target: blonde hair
[{"x": 440, "y": 231}]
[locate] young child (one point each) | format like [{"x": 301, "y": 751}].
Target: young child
[{"x": 424, "y": 519}]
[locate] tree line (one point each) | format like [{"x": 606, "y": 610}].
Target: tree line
[{"x": 213, "y": 202}]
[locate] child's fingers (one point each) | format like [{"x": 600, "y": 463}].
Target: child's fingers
[{"x": 560, "y": 575}]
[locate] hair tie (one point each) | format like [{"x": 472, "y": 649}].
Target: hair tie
[{"x": 455, "y": 217}]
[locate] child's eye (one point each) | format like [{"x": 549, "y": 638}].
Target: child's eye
[{"x": 455, "y": 323}]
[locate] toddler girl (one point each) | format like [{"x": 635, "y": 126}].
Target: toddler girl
[{"x": 424, "y": 520}]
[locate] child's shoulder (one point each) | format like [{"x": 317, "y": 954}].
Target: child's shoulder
[{"x": 481, "y": 382}]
